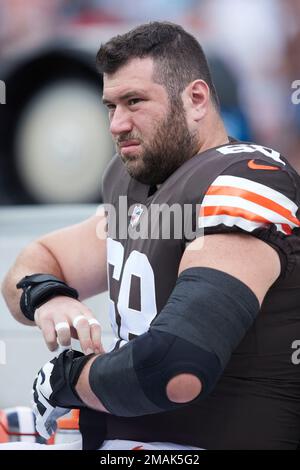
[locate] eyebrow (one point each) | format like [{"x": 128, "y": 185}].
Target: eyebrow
[{"x": 130, "y": 94}]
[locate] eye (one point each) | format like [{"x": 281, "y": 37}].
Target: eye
[
  {"x": 134, "y": 101},
  {"x": 111, "y": 107}
]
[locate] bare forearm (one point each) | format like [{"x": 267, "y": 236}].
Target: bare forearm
[
  {"x": 35, "y": 258},
  {"x": 84, "y": 390}
]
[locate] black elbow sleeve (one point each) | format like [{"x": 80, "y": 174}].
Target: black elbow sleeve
[
  {"x": 137, "y": 376},
  {"x": 205, "y": 318},
  {"x": 164, "y": 356}
]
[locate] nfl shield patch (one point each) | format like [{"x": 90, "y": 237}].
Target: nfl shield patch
[{"x": 135, "y": 216}]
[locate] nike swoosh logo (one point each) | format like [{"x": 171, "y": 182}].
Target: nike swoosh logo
[{"x": 257, "y": 166}]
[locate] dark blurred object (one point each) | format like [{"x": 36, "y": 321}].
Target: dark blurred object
[{"x": 54, "y": 140}]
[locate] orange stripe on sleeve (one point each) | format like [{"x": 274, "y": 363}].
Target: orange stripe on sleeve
[
  {"x": 253, "y": 197},
  {"x": 234, "y": 212}
]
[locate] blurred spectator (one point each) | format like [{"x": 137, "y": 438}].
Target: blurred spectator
[{"x": 249, "y": 38}]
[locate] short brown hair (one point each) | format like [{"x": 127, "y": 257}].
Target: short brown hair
[{"x": 179, "y": 58}]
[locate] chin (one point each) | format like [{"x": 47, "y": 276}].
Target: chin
[{"x": 133, "y": 169}]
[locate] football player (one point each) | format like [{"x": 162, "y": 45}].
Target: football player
[{"x": 204, "y": 319}]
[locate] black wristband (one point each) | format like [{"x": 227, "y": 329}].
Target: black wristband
[
  {"x": 64, "y": 377},
  {"x": 38, "y": 289}
]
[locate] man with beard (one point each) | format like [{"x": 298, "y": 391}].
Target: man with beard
[{"x": 204, "y": 323}]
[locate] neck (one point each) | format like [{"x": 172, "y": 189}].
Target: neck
[{"x": 214, "y": 133}]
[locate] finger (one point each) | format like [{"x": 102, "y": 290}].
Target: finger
[
  {"x": 74, "y": 333},
  {"x": 49, "y": 334},
  {"x": 63, "y": 332},
  {"x": 95, "y": 332},
  {"x": 81, "y": 324},
  {"x": 96, "y": 335}
]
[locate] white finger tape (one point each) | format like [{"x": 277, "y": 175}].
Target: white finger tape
[
  {"x": 63, "y": 325},
  {"x": 93, "y": 321},
  {"x": 78, "y": 319}
]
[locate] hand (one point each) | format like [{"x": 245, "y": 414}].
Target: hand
[
  {"x": 62, "y": 318},
  {"x": 45, "y": 413},
  {"x": 53, "y": 390}
]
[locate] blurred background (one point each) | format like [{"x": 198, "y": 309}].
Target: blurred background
[{"x": 54, "y": 140}]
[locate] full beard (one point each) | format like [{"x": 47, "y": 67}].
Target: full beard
[{"x": 171, "y": 146}]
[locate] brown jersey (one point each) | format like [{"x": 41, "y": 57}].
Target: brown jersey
[{"x": 237, "y": 187}]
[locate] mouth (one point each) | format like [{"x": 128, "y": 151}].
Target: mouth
[{"x": 128, "y": 146}]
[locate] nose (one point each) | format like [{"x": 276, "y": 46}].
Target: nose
[{"x": 120, "y": 121}]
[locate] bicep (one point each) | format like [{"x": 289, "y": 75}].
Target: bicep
[
  {"x": 245, "y": 257},
  {"x": 80, "y": 251}
]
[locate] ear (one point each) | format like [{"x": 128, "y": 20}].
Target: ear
[{"x": 197, "y": 99}]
